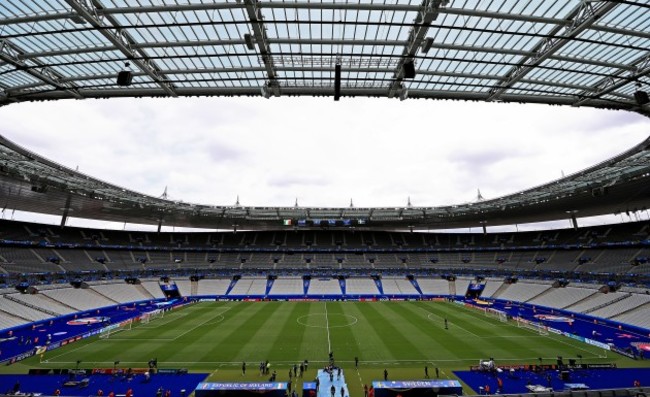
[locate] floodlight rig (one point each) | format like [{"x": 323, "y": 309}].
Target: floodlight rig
[
  {"x": 403, "y": 93},
  {"x": 270, "y": 89}
]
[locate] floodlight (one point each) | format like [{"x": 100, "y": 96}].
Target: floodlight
[
  {"x": 266, "y": 92},
  {"x": 403, "y": 94}
]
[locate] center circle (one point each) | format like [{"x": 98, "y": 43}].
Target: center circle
[{"x": 330, "y": 320}]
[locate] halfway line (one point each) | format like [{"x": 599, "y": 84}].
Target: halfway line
[{"x": 327, "y": 326}]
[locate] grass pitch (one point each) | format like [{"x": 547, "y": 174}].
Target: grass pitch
[{"x": 402, "y": 337}]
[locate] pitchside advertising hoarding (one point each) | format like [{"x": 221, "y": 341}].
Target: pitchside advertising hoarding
[
  {"x": 241, "y": 389},
  {"x": 417, "y": 388}
]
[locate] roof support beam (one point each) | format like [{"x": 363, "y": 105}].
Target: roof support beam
[
  {"x": 321, "y": 6},
  {"x": 88, "y": 10},
  {"x": 262, "y": 41},
  {"x": 171, "y": 72},
  {"x": 14, "y": 56},
  {"x": 641, "y": 68},
  {"x": 427, "y": 13},
  {"x": 303, "y": 41},
  {"x": 327, "y": 6},
  {"x": 583, "y": 17}
]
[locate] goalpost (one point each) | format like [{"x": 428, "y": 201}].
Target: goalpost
[
  {"x": 146, "y": 318},
  {"x": 113, "y": 329},
  {"x": 498, "y": 314},
  {"x": 532, "y": 326}
]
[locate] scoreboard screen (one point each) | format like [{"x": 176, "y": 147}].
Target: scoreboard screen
[
  {"x": 317, "y": 222},
  {"x": 170, "y": 290}
]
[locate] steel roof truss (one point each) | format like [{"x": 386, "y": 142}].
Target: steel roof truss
[
  {"x": 427, "y": 13},
  {"x": 11, "y": 54},
  {"x": 88, "y": 10},
  {"x": 259, "y": 33},
  {"x": 582, "y": 19}
]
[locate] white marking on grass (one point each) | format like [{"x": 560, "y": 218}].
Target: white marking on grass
[
  {"x": 73, "y": 350},
  {"x": 450, "y": 323},
  {"x": 138, "y": 339},
  {"x": 219, "y": 319},
  {"x": 566, "y": 342},
  {"x": 291, "y": 362},
  {"x": 513, "y": 336},
  {"x": 354, "y": 320},
  {"x": 327, "y": 325},
  {"x": 202, "y": 324}
]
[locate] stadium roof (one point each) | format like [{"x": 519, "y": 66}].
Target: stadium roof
[
  {"x": 570, "y": 52},
  {"x": 30, "y": 182}
]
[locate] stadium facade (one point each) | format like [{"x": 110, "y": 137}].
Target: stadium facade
[{"x": 575, "y": 53}]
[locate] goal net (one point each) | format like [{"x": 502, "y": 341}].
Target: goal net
[
  {"x": 498, "y": 314},
  {"x": 532, "y": 326},
  {"x": 146, "y": 318},
  {"x": 107, "y": 332}
]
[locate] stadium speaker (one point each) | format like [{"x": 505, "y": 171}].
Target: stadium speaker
[
  {"x": 250, "y": 43},
  {"x": 337, "y": 82},
  {"x": 124, "y": 78},
  {"x": 641, "y": 98},
  {"x": 409, "y": 70}
]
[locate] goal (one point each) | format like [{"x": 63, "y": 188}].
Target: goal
[
  {"x": 146, "y": 318},
  {"x": 107, "y": 332},
  {"x": 532, "y": 326},
  {"x": 498, "y": 314}
]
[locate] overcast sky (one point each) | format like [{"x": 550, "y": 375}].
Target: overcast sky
[{"x": 270, "y": 152}]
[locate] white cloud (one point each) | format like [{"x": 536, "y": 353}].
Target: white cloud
[{"x": 377, "y": 152}]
